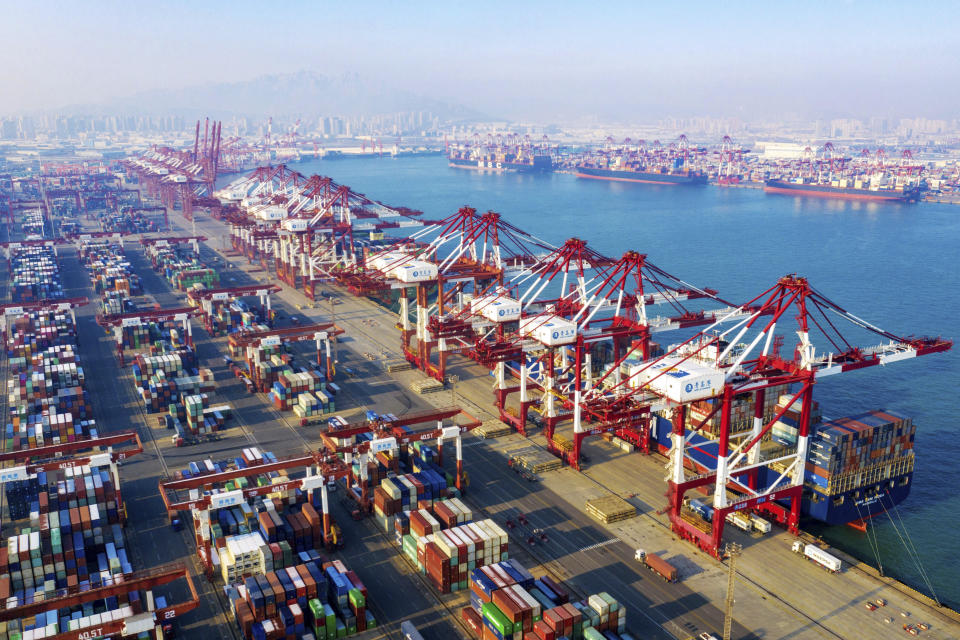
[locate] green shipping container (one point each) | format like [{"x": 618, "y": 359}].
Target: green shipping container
[
  {"x": 592, "y": 634},
  {"x": 356, "y": 598},
  {"x": 492, "y": 613}
]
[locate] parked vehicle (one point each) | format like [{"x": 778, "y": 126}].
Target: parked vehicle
[
  {"x": 818, "y": 555},
  {"x": 658, "y": 565}
]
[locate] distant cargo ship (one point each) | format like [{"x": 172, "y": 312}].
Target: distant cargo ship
[
  {"x": 627, "y": 174},
  {"x": 503, "y": 163},
  {"x": 841, "y": 190}
]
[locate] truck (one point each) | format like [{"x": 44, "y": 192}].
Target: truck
[
  {"x": 409, "y": 631},
  {"x": 762, "y": 525},
  {"x": 740, "y": 521},
  {"x": 816, "y": 554},
  {"x": 657, "y": 564}
]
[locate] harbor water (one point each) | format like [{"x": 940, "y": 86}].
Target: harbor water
[{"x": 894, "y": 265}]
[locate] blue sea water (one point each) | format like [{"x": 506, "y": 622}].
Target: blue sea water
[{"x": 895, "y": 265}]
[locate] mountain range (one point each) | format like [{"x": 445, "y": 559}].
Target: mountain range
[{"x": 302, "y": 93}]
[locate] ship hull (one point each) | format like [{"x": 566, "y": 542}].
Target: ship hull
[
  {"x": 827, "y": 191},
  {"x": 642, "y": 177},
  {"x": 860, "y": 503}
]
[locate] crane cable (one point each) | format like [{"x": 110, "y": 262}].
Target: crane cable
[
  {"x": 910, "y": 547},
  {"x": 874, "y": 544}
]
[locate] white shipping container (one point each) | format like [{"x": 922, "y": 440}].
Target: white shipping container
[
  {"x": 295, "y": 225},
  {"x": 550, "y": 330},
  {"x": 415, "y": 271},
  {"x": 496, "y": 308},
  {"x": 821, "y": 557},
  {"x": 680, "y": 381},
  {"x": 272, "y": 212}
]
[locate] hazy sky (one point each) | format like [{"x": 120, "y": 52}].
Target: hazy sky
[{"x": 519, "y": 59}]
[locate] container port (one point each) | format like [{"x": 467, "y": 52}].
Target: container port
[
  {"x": 826, "y": 171},
  {"x": 315, "y": 499}
]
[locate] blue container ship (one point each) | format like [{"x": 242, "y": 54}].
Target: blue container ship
[{"x": 857, "y": 467}]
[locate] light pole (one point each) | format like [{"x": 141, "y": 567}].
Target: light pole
[{"x": 453, "y": 387}]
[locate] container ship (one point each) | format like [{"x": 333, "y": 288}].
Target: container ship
[
  {"x": 857, "y": 467},
  {"x": 501, "y": 162},
  {"x": 636, "y": 172},
  {"x": 846, "y": 189}
]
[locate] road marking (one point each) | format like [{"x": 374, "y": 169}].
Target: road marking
[{"x": 599, "y": 544}]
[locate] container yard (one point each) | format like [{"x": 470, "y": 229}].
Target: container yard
[{"x": 309, "y": 489}]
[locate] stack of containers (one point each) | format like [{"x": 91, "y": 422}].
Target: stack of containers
[
  {"x": 447, "y": 556},
  {"x": 194, "y": 406},
  {"x": 181, "y": 268},
  {"x": 82, "y": 620},
  {"x": 231, "y": 316},
  {"x": 310, "y": 405},
  {"x": 34, "y": 274},
  {"x": 162, "y": 390},
  {"x": 848, "y": 453},
  {"x": 413, "y": 491},
  {"x": 741, "y": 412},
  {"x": 47, "y": 404},
  {"x": 506, "y": 600},
  {"x": 290, "y": 385},
  {"x": 72, "y": 540},
  {"x": 183, "y": 279},
  {"x": 265, "y": 532},
  {"x": 174, "y": 364},
  {"x": 110, "y": 270},
  {"x": 129, "y": 222},
  {"x": 314, "y": 596},
  {"x": 784, "y": 431}
]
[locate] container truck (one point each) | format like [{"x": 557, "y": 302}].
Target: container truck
[
  {"x": 818, "y": 555},
  {"x": 658, "y": 565},
  {"x": 760, "y": 524},
  {"x": 409, "y": 631},
  {"x": 740, "y": 521}
]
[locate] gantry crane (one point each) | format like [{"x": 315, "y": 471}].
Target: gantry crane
[
  {"x": 16, "y": 309},
  {"x": 194, "y": 242},
  {"x": 744, "y": 361},
  {"x": 118, "y": 321},
  {"x": 10, "y": 247},
  {"x": 150, "y": 621},
  {"x": 464, "y": 254},
  {"x": 322, "y": 334},
  {"x": 305, "y": 225},
  {"x": 389, "y": 435},
  {"x": 201, "y": 498},
  {"x": 205, "y": 298},
  {"x": 51, "y": 458}
]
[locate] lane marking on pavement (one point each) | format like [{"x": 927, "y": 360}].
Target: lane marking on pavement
[{"x": 599, "y": 544}]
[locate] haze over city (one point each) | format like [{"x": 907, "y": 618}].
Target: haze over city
[{"x": 543, "y": 61}]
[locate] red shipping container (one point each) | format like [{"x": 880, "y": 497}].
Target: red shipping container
[
  {"x": 543, "y": 631},
  {"x": 356, "y": 582},
  {"x": 473, "y": 620}
]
